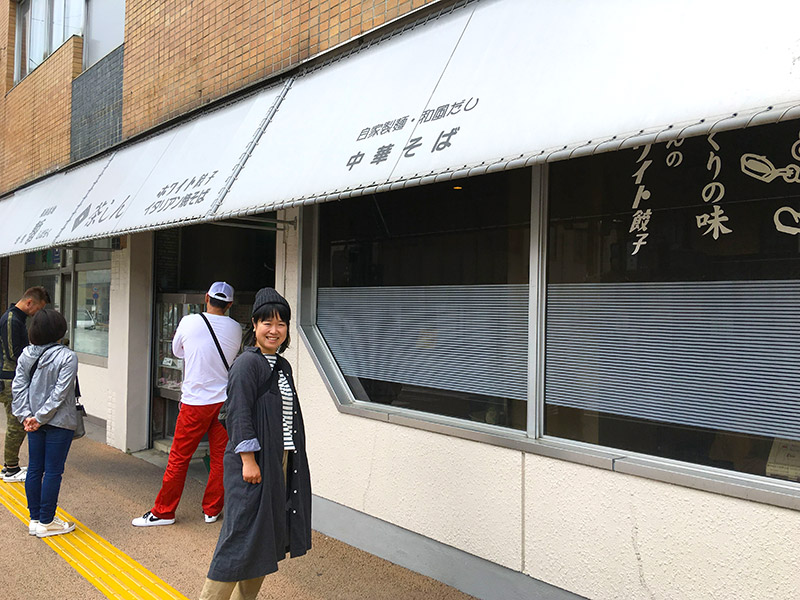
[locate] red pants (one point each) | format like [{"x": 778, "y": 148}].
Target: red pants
[{"x": 193, "y": 423}]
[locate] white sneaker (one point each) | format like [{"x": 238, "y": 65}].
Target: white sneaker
[
  {"x": 16, "y": 477},
  {"x": 32, "y": 527},
  {"x": 148, "y": 519},
  {"x": 55, "y": 527},
  {"x": 210, "y": 519}
]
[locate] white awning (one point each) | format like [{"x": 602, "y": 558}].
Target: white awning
[
  {"x": 505, "y": 83},
  {"x": 176, "y": 176},
  {"x": 35, "y": 216},
  {"x": 485, "y": 86}
]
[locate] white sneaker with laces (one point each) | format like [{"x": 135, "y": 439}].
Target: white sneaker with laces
[
  {"x": 16, "y": 477},
  {"x": 148, "y": 519},
  {"x": 55, "y": 527},
  {"x": 32, "y": 527},
  {"x": 210, "y": 519}
]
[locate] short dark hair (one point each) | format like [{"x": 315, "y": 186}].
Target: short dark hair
[
  {"x": 37, "y": 293},
  {"x": 47, "y": 327},
  {"x": 270, "y": 310},
  {"x": 217, "y": 303}
]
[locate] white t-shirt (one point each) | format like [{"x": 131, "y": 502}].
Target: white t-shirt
[{"x": 205, "y": 378}]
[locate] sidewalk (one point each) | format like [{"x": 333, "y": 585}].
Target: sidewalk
[{"x": 105, "y": 488}]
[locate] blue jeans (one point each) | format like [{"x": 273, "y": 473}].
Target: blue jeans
[{"x": 48, "y": 447}]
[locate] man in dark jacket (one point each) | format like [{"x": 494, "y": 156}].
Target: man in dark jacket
[{"x": 14, "y": 338}]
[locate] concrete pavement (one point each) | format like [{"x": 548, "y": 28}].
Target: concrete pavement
[{"x": 105, "y": 488}]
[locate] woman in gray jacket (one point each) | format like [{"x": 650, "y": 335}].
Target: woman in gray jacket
[{"x": 44, "y": 402}]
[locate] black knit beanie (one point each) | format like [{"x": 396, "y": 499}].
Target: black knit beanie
[{"x": 269, "y": 296}]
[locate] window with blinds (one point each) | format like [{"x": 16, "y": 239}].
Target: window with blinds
[
  {"x": 673, "y": 300},
  {"x": 423, "y": 297}
]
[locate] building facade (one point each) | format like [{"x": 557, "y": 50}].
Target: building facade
[{"x": 544, "y": 269}]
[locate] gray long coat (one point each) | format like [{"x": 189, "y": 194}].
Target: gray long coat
[{"x": 263, "y": 521}]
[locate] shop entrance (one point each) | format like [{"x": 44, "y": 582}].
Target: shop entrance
[{"x": 187, "y": 261}]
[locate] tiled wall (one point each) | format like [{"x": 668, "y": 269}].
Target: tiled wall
[{"x": 97, "y": 107}]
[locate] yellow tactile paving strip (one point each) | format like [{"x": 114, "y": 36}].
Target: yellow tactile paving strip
[{"x": 110, "y": 570}]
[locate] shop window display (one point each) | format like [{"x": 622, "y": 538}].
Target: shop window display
[
  {"x": 86, "y": 306},
  {"x": 92, "y": 311},
  {"x": 423, "y": 297},
  {"x": 673, "y": 297}
]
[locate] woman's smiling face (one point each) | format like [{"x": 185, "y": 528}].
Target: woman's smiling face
[{"x": 271, "y": 333}]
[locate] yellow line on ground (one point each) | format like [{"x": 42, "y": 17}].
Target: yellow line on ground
[{"x": 107, "y": 568}]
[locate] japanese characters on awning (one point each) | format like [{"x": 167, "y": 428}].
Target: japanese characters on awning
[
  {"x": 504, "y": 83},
  {"x": 488, "y": 85},
  {"x": 173, "y": 177}
]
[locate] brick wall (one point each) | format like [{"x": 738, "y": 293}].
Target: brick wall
[
  {"x": 181, "y": 55},
  {"x": 97, "y": 107},
  {"x": 35, "y": 127}
]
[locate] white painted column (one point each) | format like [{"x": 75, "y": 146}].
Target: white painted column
[{"x": 129, "y": 344}]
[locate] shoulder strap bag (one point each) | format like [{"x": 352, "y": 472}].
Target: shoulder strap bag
[{"x": 216, "y": 341}]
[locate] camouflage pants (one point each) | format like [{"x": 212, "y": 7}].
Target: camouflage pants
[{"x": 15, "y": 433}]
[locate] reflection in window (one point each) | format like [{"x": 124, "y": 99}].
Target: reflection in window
[
  {"x": 92, "y": 308},
  {"x": 423, "y": 297}
]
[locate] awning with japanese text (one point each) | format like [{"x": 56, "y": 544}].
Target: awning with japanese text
[
  {"x": 505, "y": 83},
  {"x": 482, "y": 86}
]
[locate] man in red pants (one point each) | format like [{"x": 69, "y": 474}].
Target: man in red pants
[{"x": 206, "y": 357}]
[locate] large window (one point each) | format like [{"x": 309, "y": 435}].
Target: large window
[
  {"x": 42, "y": 26},
  {"x": 673, "y": 300},
  {"x": 79, "y": 283},
  {"x": 423, "y": 297}
]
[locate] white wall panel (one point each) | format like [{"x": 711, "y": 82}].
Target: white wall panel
[{"x": 606, "y": 536}]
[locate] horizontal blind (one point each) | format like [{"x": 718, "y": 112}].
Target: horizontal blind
[
  {"x": 722, "y": 354},
  {"x": 470, "y": 339}
]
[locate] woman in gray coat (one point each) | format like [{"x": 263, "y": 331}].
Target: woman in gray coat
[
  {"x": 267, "y": 483},
  {"x": 44, "y": 402}
]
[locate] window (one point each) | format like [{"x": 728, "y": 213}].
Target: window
[
  {"x": 105, "y": 29},
  {"x": 423, "y": 297},
  {"x": 92, "y": 304},
  {"x": 42, "y": 26},
  {"x": 86, "y": 304},
  {"x": 673, "y": 300}
]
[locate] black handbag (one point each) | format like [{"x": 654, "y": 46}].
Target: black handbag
[{"x": 80, "y": 429}]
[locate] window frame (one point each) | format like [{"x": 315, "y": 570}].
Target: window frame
[
  {"x": 70, "y": 268},
  {"x": 533, "y": 441},
  {"x": 49, "y": 44}
]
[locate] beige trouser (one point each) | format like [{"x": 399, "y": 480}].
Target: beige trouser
[
  {"x": 236, "y": 590},
  {"x": 233, "y": 590}
]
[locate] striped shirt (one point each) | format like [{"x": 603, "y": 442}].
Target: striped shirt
[{"x": 288, "y": 404}]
